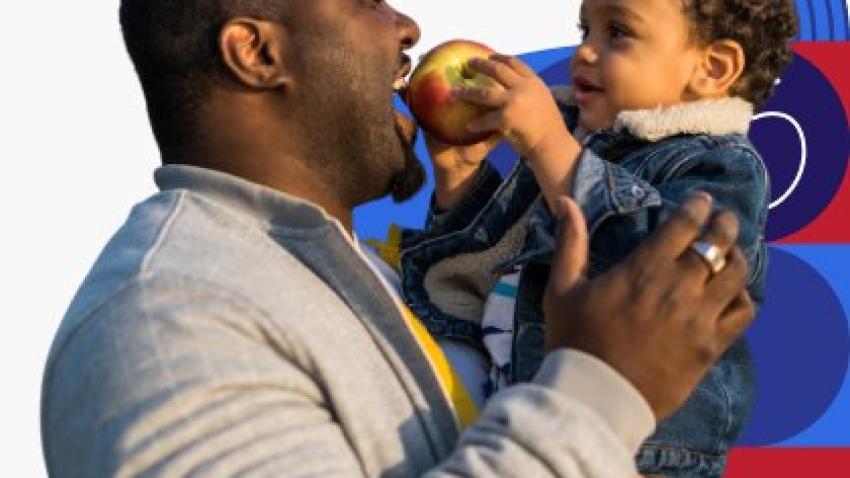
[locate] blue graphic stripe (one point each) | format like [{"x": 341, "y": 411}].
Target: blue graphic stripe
[
  {"x": 541, "y": 60},
  {"x": 506, "y": 290},
  {"x": 841, "y": 19},
  {"x": 822, "y": 23},
  {"x": 806, "y": 26}
]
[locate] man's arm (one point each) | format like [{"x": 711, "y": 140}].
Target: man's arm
[
  {"x": 198, "y": 390},
  {"x": 167, "y": 391},
  {"x": 662, "y": 317}
]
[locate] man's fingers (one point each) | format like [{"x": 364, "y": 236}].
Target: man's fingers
[
  {"x": 572, "y": 247},
  {"x": 502, "y": 73},
  {"x": 718, "y": 238},
  {"x": 673, "y": 237},
  {"x": 735, "y": 319},
  {"x": 491, "y": 97},
  {"x": 723, "y": 287}
]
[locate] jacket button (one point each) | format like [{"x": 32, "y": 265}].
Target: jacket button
[{"x": 638, "y": 192}]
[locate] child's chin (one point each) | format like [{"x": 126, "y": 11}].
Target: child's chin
[{"x": 590, "y": 124}]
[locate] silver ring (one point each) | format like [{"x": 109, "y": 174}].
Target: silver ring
[{"x": 711, "y": 255}]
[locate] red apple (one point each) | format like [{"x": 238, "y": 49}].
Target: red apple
[{"x": 429, "y": 92}]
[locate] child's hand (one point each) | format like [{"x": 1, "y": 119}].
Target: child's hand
[{"x": 524, "y": 111}]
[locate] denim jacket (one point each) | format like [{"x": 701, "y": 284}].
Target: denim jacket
[{"x": 629, "y": 179}]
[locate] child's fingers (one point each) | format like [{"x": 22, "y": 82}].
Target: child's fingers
[
  {"x": 492, "y": 97},
  {"x": 501, "y": 72},
  {"x": 515, "y": 63},
  {"x": 492, "y": 121}
]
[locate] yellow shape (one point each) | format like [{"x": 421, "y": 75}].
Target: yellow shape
[
  {"x": 390, "y": 250},
  {"x": 450, "y": 382}
]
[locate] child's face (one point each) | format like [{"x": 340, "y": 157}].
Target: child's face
[{"x": 635, "y": 55}]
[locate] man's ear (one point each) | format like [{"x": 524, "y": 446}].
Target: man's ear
[
  {"x": 253, "y": 51},
  {"x": 720, "y": 67}
]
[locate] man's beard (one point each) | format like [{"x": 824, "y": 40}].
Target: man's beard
[
  {"x": 406, "y": 182},
  {"x": 363, "y": 149}
]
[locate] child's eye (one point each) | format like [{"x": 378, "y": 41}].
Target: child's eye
[{"x": 617, "y": 31}]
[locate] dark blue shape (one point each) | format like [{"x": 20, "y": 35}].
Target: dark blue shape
[
  {"x": 801, "y": 348},
  {"x": 807, "y": 96}
]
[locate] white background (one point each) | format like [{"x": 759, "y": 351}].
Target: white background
[{"x": 77, "y": 153}]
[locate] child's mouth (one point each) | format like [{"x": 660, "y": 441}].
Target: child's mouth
[{"x": 585, "y": 89}]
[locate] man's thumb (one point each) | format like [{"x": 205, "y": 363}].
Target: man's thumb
[{"x": 572, "y": 249}]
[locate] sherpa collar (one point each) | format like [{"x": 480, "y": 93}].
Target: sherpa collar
[
  {"x": 715, "y": 117},
  {"x": 730, "y": 115}
]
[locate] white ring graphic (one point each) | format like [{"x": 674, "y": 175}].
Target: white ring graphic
[{"x": 803, "y": 153}]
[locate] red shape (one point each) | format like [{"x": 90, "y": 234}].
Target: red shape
[
  {"x": 831, "y": 226},
  {"x": 779, "y": 462},
  {"x": 831, "y": 59}
]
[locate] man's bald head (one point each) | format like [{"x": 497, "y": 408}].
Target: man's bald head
[{"x": 174, "y": 47}]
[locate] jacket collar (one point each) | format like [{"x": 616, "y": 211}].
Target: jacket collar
[
  {"x": 713, "y": 117},
  {"x": 731, "y": 115}
]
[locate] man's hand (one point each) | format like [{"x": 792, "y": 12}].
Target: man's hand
[{"x": 661, "y": 318}]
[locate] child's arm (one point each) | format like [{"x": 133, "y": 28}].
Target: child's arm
[
  {"x": 623, "y": 209},
  {"x": 525, "y": 113}
]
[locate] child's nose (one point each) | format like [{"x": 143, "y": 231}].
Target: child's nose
[{"x": 586, "y": 53}]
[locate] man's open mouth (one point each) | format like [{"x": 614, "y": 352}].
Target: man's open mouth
[{"x": 400, "y": 83}]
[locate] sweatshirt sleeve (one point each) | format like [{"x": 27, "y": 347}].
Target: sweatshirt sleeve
[
  {"x": 157, "y": 391},
  {"x": 577, "y": 418}
]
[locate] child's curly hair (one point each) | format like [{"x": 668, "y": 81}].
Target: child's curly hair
[{"x": 763, "y": 28}]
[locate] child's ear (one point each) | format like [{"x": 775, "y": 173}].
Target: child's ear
[{"x": 721, "y": 66}]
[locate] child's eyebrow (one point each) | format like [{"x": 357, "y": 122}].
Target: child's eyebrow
[{"x": 615, "y": 9}]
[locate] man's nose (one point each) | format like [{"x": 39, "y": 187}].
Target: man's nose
[{"x": 408, "y": 30}]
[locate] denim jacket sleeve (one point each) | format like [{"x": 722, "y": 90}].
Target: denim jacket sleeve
[{"x": 622, "y": 208}]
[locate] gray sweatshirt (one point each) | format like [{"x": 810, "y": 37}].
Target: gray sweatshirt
[{"x": 230, "y": 330}]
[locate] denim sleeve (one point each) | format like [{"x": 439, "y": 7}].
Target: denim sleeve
[{"x": 622, "y": 209}]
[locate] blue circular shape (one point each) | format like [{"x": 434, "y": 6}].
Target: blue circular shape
[
  {"x": 801, "y": 347},
  {"x": 808, "y": 97}
]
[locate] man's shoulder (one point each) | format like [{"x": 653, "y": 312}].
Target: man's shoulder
[{"x": 178, "y": 252}]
